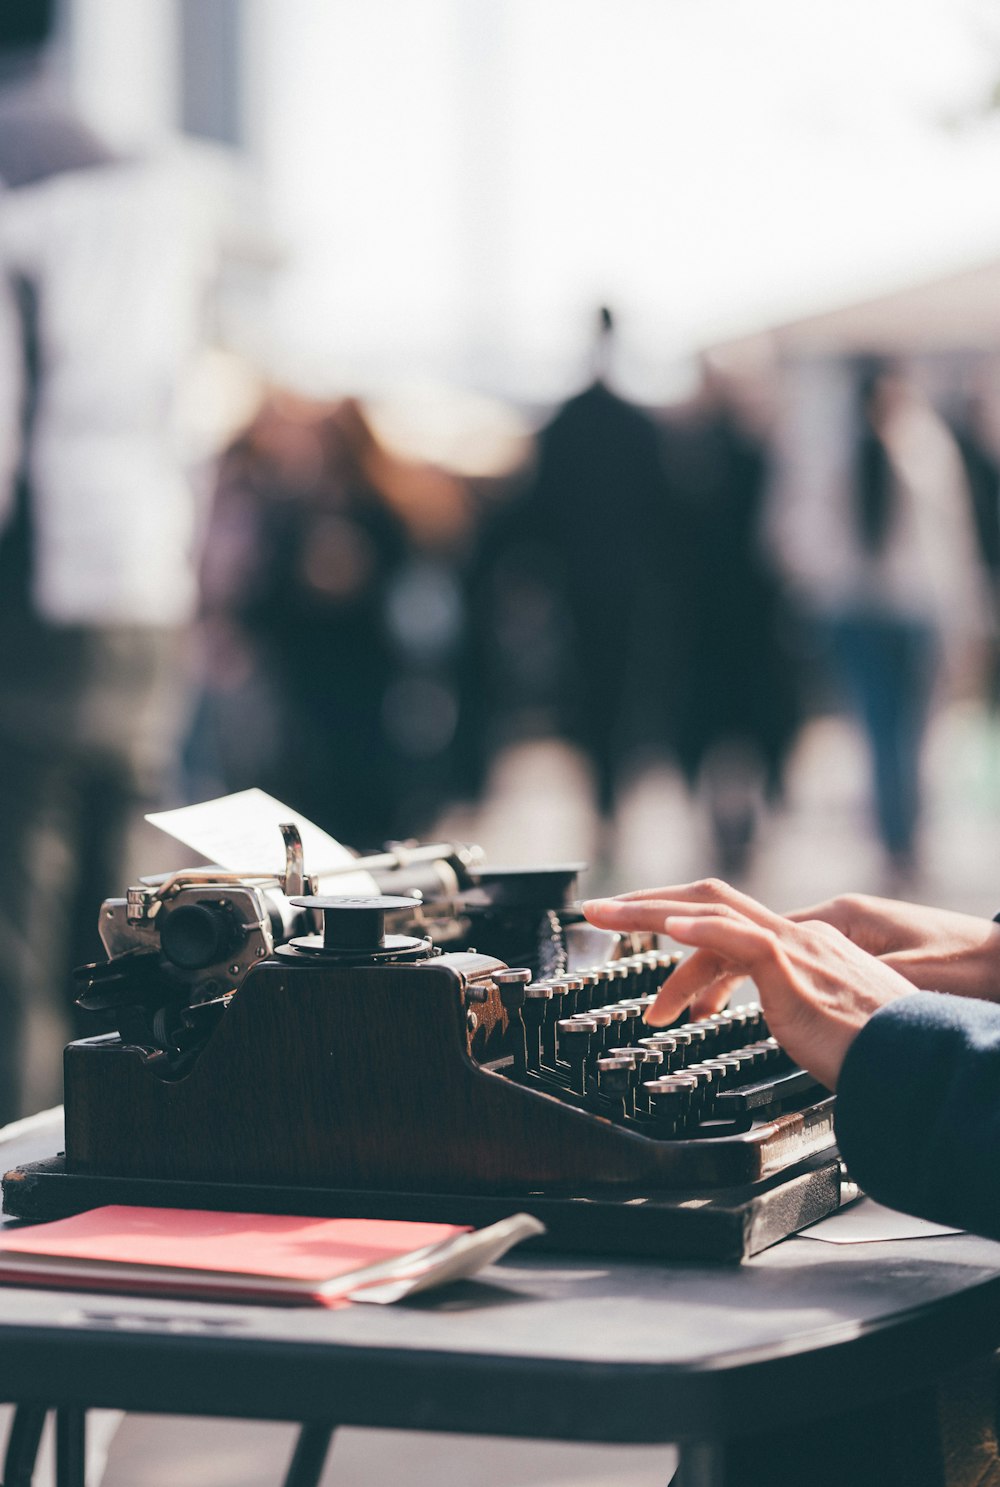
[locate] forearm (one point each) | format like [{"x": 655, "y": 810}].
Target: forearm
[{"x": 918, "y": 1109}]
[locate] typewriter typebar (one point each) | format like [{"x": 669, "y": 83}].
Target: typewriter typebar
[{"x": 361, "y": 1068}]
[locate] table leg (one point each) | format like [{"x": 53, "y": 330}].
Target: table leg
[
  {"x": 22, "y": 1444},
  {"x": 71, "y": 1446},
  {"x": 309, "y": 1457},
  {"x": 701, "y": 1464}
]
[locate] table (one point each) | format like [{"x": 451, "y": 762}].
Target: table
[{"x": 809, "y": 1363}]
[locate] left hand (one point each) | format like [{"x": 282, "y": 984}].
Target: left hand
[{"x": 817, "y": 988}]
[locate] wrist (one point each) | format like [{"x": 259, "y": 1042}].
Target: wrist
[
  {"x": 963, "y": 962},
  {"x": 979, "y": 977}
]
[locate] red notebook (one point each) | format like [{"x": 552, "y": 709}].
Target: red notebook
[{"x": 226, "y": 1256}]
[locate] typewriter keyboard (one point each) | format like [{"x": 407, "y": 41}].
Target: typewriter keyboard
[{"x": 581, "y": 1037}]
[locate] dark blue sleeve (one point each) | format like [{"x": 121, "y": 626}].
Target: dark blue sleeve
[{"x": 918, "y": 1109}]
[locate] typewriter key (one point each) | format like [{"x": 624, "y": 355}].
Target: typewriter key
[
  {"x": 704, "y": 1095},
  {"x": 636, "y": 971},
  {"x": 754, "y": 1058},
  {"x": 697, "y": 1034},
  {"x": 636, "y": 1058},
  {"x": 682, "y": 1039},
  {"x": 734, "y": 1067},
  {"x": 710, "y": 1042},
  {"x": 587, "y": 996},
  {"x": 633, "y": 972},
  {"x": 666, "y": 964},
  {"x": 614, "y": 1081},
  {"x": 650, "y": 1064},
  {"x": 602, "y": 1020},
  {"x": 650, "y": 979},
  {"x": 618, "y": 1028},
  {"x": 722, "y": 1038},
  {"x": 667, "y": 1044},
  {"x": 719, "y": 1021},
  {"x": 633, "y": 1021},
  {"x": 556, "y": 1009},
  {"x": 575, "y": 1034},
  {"x": 721, "y": 1072},
  {"x": 670, "y": 1101},
  {"x": 537, "y": 996},
  {"x": 755, "y": 1019},
  {"x": 511, "y": 986},
  {"x": 572, "y": 982},
  {"x": 738, "y": 1018}
]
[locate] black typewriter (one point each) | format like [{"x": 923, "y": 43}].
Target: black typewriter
[{"x": 457, "y": 1046}]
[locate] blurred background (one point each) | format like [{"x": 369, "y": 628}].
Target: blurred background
[{"x": 566, "y": 426}]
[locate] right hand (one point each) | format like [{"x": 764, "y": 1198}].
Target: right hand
[
  {"x": 935, "y": 949},
  {"x": 817, "y": 988}
]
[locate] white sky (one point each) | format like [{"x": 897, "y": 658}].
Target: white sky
[{"x": 458, "y": 183}]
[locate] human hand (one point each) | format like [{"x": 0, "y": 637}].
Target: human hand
[
  {"x": 817, "y": 987},
  {"x": 936, "y": 949}
]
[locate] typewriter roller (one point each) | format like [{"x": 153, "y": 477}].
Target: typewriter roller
[{"x": 362, "y": 1068}]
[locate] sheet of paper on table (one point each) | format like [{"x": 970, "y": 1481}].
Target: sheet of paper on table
[
  {"x": 867, "y": 1222},
  {"x": 241, "y": 833}
]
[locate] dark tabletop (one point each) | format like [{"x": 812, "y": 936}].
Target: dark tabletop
[{"x": 587, "y": 1349}]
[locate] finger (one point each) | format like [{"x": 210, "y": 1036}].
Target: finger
[
  {"x": 707, "y": 893},
  {"x": 716, "y": 996},
  {"x": 610, "y": 913},
  {"x": 704, "y": 982},
  {"x": 650, "y": 916},
  {"x": 691, "y": 978},
  {"x": 704, "y": 888},
  {"x": 732, "y": 937}
]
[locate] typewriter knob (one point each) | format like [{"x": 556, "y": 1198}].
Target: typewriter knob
[
  {"x": 356, "y": 926},
  {"x": 195, "y": 936}
]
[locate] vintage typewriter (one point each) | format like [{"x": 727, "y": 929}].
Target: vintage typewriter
[{"x": 457, "y": 1045}]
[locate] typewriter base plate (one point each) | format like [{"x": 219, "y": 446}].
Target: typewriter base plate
[{"x": 717, "y": 1225}]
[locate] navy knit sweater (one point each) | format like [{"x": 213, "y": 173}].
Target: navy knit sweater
[{"x": 918, "y": 1109}]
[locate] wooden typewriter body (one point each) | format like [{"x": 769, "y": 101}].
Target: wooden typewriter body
[{"x": 362, "y": 1078}]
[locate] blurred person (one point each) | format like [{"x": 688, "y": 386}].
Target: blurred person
[
  {"x": 570, "y": 606},
  {"x": 974, "y": 433},
  {"x": 878, "y": 534},
  {"x": 427, "y": 619},
  {"x": 102, "y": 270},
  {"x": 331, "y": 617},
  {"x": 734, "y": 706}
]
